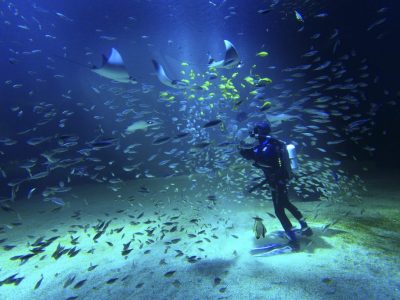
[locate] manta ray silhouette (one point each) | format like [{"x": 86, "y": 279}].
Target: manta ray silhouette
[
  {"x": 113, "y": 68},
  {"x": 231, "y": 59},
  {"x": 164, "y": 79}
]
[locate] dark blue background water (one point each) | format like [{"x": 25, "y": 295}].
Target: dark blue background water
[{"x": 176, "y": 31}]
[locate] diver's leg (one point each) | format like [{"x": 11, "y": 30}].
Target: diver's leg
[
  {"x": 279, "y": 207},
  {"x": 283, "y": 200},
  {"x": 293, "y": 209},
  {"x": 305, "y": 229}
]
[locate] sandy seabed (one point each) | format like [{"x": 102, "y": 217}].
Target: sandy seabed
[{"x": 184, "y": 246}]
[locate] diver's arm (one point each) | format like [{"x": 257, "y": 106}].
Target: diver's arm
[{"x": 247, "y": 153}]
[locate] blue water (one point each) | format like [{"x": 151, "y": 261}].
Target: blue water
[{"x": 324, "y": 73}]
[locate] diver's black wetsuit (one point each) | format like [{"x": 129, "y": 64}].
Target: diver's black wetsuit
[{"x": 270, "y": 155}]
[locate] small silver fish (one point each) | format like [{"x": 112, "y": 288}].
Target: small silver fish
[{"x": 299, "y": 17}]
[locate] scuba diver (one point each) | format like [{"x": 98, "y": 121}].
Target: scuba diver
[{"x": 271, "y": 156}]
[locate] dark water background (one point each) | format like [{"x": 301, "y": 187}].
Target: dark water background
[{"x": 194, "y": 28}]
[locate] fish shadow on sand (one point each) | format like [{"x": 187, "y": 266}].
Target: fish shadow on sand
[
  {"x": 318, "y": 240},
  {"x": 214, "y": 267},
  {"x": 307, "y": 244}
]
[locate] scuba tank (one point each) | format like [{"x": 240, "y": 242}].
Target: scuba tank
[{"x": 291, "y": 150}]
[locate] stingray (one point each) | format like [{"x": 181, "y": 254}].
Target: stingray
[
  {"x": 230, "y": 61},
  {"x": 113, "y": 68},
  {"x": 162, "y": 76}
]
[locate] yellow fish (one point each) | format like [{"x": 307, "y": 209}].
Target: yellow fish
[
  {"x": 265, "y": 106},
  {"x": 184, "y": 64},
  {"x": 262, "y": 54},
  {"x": 264, "y": 81},
  {"x": 163, "y": 94},
  {"x": 249, "y": 80}
]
